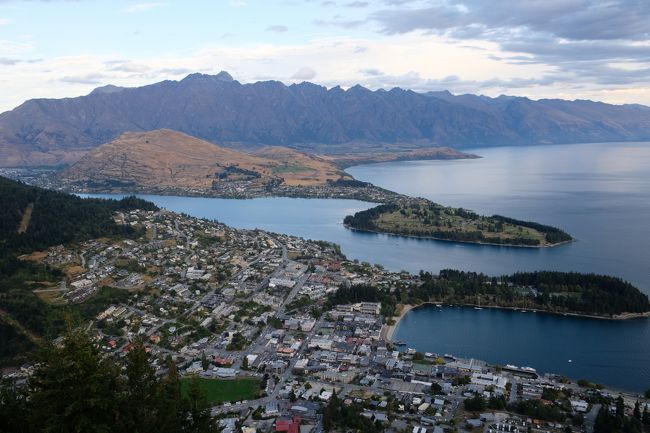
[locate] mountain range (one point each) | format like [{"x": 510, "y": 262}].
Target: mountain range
[{"x": 304, "y": 116}]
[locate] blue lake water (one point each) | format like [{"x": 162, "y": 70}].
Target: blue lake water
[
  {"x": 600, "y": 193},
  {"x": 616, "y": 353}
]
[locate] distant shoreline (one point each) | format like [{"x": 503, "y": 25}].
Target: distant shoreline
[
  {"x": 390, "y": 330},
  {"x": 459, "y": 241}
]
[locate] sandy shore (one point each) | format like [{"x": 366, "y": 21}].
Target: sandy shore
[{"x": 388, "y": 330}]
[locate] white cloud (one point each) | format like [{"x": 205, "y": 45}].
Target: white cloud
[
  {"x": 277, "y": 29},
  {"x": 305, "y": 73},
  {"x": 142, "y": 7},
  {"x": 4, "y": 21},
  {"x": 13, "y": 47}
]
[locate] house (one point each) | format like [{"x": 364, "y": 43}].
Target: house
[
  {"x": 289, "y": 426},
  {"x": 579, "y": 406}
]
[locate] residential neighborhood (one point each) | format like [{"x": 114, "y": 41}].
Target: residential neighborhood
[{"x": 249, "y": 315}]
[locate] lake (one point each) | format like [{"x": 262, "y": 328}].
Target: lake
[
  {"x": 615, "y": 353},
  {"x": 600, "y": 193}
]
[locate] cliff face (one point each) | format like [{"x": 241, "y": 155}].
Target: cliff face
[
  {"x": 166, "y": 158},
  {"x": 304, "y": 116}
]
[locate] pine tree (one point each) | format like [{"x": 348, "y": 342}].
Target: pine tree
[
  {"x": 645, "y": 418},
  {"x": 637, "y": 411},
  {"x": 204, "y": 361},
  {"x": 13, "y": 409},
  {"x": 74, "y": 389},
  {"x": 140, "y": 398},
  {"x": 620, "y": 408},
  {"x": 171, "y": 410},
  {"x": 199, "y": 419}
]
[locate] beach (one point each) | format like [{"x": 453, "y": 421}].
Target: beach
[{"x": 389, "y": 330}]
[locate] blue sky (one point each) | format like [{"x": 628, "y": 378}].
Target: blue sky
[{"x": 552, "y": 48}]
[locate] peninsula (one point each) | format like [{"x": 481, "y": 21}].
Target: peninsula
[{"x": 425, "y": 219}]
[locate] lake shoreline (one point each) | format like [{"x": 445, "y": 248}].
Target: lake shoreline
[
  {"x": 433, "y": 238},
  {"x": 391, "y": 329}
]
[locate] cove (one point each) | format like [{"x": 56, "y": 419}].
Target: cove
[{"x": 614, "y": 353}]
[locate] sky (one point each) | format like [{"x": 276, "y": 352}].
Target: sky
[{"x": 570, "y": 49}]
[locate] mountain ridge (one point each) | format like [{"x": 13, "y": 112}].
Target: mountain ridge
[{"x": 304, "y": 116}]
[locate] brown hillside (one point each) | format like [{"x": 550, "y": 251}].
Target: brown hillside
[{"x": 167, "y": 158}]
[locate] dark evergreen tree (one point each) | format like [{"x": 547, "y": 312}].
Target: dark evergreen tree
[
  {"x": 140, "y": 399},
  {"x": 74, "y": 389},
  {"x": 199, "y": 419}
]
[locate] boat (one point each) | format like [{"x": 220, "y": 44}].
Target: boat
[
  {"x": 400, "y": 343},
  {"x": 570, "y": 360},
  {"x": 477, "y": 308},
  {"x": 439, "y": 305},
  {"x": 528, "y": 371}
]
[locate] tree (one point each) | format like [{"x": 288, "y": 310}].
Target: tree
[
  {"x": 244, "y": 363},
  {"x": 647, "y": 393},
  {"x": 74, "y": 389},
  {"x": 645, "y": 418},
  {"x": 436, "y": 389},
  {"x": 204, "y": 361},
  {"x": 171, "y": 410},
  {"x": 637, "y": 411},
  {"x": 14, "y": 410},
  {"x": 199, "y": 419},
  {"x": 475, "y": 404},
  {"x": 620, "y": 408},
  {"x": 140, "y": 399}
]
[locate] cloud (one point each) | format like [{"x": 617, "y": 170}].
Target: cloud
[
  {"x": 126, "y": 66},
  {"x": 175, "y": 71},
  {"x": 11, "y": 61},
  {"x": 304, "y": 73},
  {"x": 4, "y": 21},
  {"x": 373, "y": 72},
  {"x": 568, "y": 19},
  {"x": 12, "y": 47},
  {"x": 357, "y": 4},
  {"x": 277, "y": 29},
  {"x": 142, "y": 7},
  {"x": 580, "y": 39},
  {"x": 92, "y": 78},
  {"x": 339, "y": 22}
]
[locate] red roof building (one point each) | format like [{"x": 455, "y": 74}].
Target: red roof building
[{"x": 289, "y": 426}]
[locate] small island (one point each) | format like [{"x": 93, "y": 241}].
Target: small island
[{"x": 424, "y": 219}]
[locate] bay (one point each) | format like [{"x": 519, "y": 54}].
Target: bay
[{"x": 614, "y": 353}]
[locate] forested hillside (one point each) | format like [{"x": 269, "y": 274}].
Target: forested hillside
[
  {"x": 33, "y": 219},
  {"x": 561, "y": 292}
]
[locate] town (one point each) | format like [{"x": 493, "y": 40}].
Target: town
[{"x": 249, "y": 314}]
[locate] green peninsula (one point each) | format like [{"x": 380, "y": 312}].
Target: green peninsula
[{"x": 425, "y": 219}]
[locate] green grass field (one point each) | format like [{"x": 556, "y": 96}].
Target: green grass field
[{"x": 225, "y": 390}]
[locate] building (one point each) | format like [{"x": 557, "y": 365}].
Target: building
[{"x": 288, "y": 425}]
